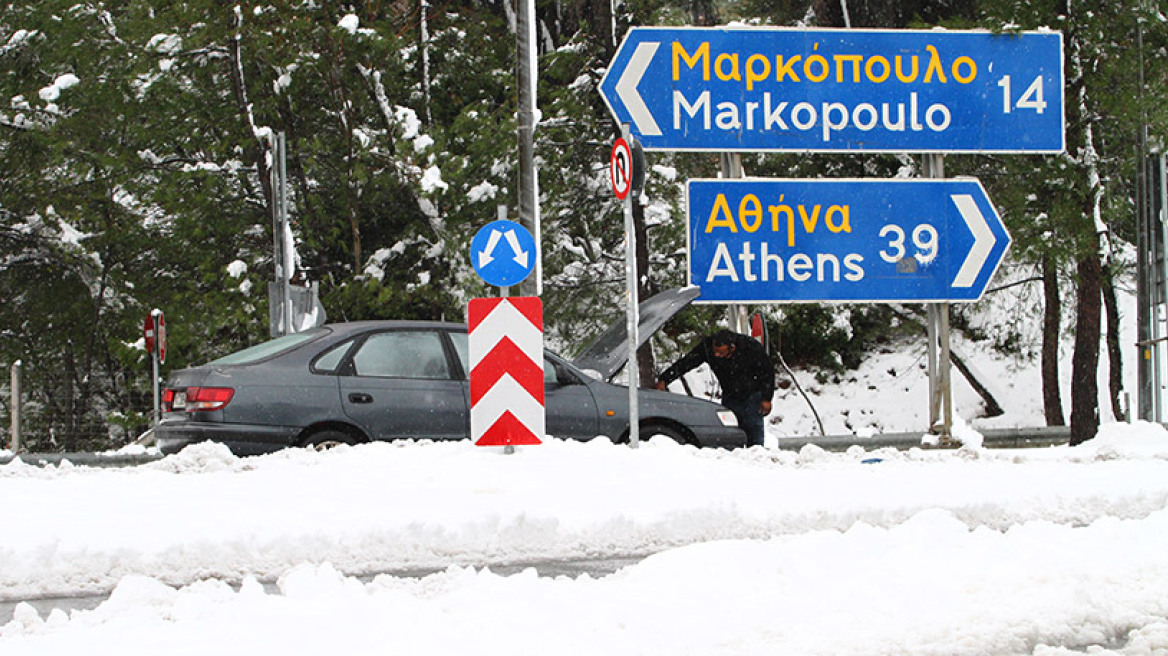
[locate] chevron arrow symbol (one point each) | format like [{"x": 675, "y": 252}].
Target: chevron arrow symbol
[
  {"x": 626, "y": 89},
  {"x": 983, "y": 240},
  {"x": 505, "y": 350}
]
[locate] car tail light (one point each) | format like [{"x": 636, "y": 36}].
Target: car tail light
[
  {"x": 168, "y": 400},
  {"x": 207, "y": 398}
]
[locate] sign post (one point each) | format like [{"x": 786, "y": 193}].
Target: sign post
[
  {"x": 937, "y": 330},
  {"x": 154, "y": 332},
  {"x": 505, "y": 341},
  {"x": 16, "y": 405},
  {"x": 627, "y": 170}
]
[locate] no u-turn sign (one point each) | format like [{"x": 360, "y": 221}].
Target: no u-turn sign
[
  {"x": 620, "y": 168},
  {"x": 626, "y": 169}
]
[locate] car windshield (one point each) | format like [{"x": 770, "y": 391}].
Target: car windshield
[{"x": 261, "y": 351}]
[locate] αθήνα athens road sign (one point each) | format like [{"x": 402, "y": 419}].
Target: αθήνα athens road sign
[{"x": 778, "y": 241}]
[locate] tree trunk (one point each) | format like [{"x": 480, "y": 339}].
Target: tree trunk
[
  {"x": 1052, "y": 401},
  {"x": 1085, "y": 362},
  {"x": 992, "y": 407},
  {"x": 258, "y": 151},
  {"x": 703, "y": 13},
  {"x": 646, "y": 364},
  {"x": 601, "y": 23},
  {"x": 1114, "y": 350},
  {"x": 1085, "y": 232}
]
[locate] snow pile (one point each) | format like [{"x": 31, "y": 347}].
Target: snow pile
[{"x": 752, "y": 551}]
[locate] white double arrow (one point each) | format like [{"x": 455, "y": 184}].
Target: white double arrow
[
  {"x": 486, "y": 257},
  {"x": 626, "y": 88},
  {"x": 983, "y": 240}
]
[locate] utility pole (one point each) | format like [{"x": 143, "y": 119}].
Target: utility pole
[
  {"x": 528, "y": 176},
  {"x": 1146, "y": 343},
  {"x": 280, "y": 294}
]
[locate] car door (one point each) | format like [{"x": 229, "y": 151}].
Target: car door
[
  {"x": 403, "y": 384},
  {"x": 571, "y": 411},
  {"x": 569, "y": 408}
]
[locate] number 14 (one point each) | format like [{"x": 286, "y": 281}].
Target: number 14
[{"x": 1031, "y": 99}]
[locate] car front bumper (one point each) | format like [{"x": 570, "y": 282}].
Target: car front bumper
[{"x": 720, "y": 437}]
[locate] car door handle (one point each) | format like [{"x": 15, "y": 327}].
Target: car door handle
[{"x": 360, "y": 397}]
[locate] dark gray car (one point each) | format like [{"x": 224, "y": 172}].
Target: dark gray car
[{"x": 388, "y": 380}]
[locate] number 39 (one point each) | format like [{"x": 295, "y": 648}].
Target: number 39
[{"x": 924, "y": 237}]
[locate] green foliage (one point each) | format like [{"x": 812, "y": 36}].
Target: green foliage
[
  {"x": 134, "y": 140},
  {"x": 831, "y": 338}
]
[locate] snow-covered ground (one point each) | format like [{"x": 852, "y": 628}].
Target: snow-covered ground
[
  {"x": 755, "y": 551},
  {"x": 759, "y": 551},
  {"x": 889, "y": 391}
]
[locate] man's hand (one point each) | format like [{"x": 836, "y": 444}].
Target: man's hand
[
  {"x": 764, "y": 408},
  {"x": 660, "y": 385}
]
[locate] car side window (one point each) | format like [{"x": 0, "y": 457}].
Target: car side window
[
  {"x": 462, "y": 348},
  {"x": 558, "y": 374},
  {"x": 330, "y": 361},
  {"x": 402, "y": 354}
]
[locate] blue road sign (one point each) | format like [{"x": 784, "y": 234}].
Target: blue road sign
[
  {"x": 503, "y": 253},
  {"x": 777, "y": 241},
  {"x": 760, "y": 89}
]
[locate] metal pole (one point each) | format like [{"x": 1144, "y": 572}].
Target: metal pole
[
  {"x": 504, "y": 292},
  {"x": 279, "y": 267},
  {"x": 942, "y": 393},
  {"x": 738, "y": 315},
  {"x": 1144, "y": 282},
  {"x": 1143, "y": 295},
  {"x": 1160, "y": 193},
  {"x": 154, "y": 385},
  {"x": 1157, "y": 282},
  {"x": 156, "y": 315},
  {"x": 931, "y": 358},
  {"x": 632, "y": 320},
  {"x": 285, "y": 235},
  {"x": 277, "y": 237},
  {"x": 946, "y": 371},
  {"x": 15, "y": 405},
  {"x": 528, "y": 176}
]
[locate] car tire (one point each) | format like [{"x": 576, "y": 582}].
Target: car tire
[
  {"x": 324, "y": 440},
  {"x": 649, "y": 430}
]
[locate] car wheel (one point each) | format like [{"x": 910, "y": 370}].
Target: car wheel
[
  {"x": 650, "y": 430},
  {"x": 328, "y": 439}
]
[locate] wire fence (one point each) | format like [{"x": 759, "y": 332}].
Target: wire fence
[{"x": 57, "y": 412}]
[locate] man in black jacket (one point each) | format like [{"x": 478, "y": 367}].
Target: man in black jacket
[{"x": 745, "y": 372}]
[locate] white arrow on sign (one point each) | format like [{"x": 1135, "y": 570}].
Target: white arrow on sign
[
  {"x": 983, "y": 240},
  {"x": 520, "y": 254},
  {"x": 486, "y": 257},
  {"x": 507, "y": 395},
  {"x": 626, "y": 89}
]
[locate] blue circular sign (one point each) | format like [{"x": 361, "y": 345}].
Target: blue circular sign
[{"x": 503, "y": 253}]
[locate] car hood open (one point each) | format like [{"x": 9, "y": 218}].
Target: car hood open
[{"x": 609, "y": 352}]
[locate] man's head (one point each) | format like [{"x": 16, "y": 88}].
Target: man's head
[{"x": 723, "y": 343}]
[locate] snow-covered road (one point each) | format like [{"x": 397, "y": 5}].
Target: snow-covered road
[{"x": 975, "y": 551}]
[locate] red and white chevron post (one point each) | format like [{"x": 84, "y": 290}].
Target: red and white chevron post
[{"x": 506, "y": 371}]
